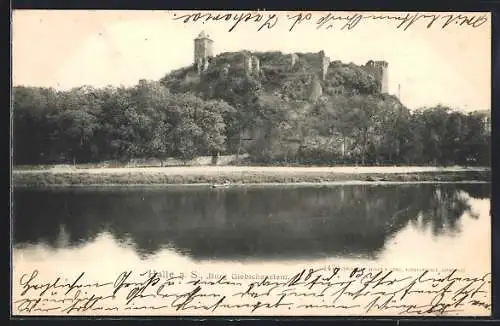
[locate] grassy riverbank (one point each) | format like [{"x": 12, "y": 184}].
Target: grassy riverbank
[{"x": 240, "y": 175}]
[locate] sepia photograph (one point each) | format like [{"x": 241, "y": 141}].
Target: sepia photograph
[{"x": 250, "y": 163}]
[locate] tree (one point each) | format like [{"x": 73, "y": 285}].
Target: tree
[
  {"x": 185, "y": 125},
  {"x": 362, "y": 117},
  {"x": 34, "y": 109},
  {"x": 77, "y": 120}
]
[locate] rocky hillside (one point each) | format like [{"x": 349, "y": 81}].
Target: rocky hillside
[
  {"x": 278, "y": 75},
  {"x": 283, "y": 97}
]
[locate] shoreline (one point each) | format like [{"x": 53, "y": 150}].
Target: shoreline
[
  {"x": 243, "y": 176},
  {"x": 235, "y": 186}
]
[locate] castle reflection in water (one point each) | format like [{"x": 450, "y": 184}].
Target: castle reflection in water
[{"x": 236, "y": 223}]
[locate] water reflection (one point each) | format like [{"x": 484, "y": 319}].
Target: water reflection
[{"x": 236, "y": 223}]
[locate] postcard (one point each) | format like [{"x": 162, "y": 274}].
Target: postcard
[{"x": 251, "y": 163}]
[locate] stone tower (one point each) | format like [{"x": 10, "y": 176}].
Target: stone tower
[
  {"x": 380, "y": 68},
  {"x": 384, "y": 79},
  {"x": 203, "y": 51}
]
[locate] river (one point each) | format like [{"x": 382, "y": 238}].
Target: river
[
  {"x": 370, "y": 222},
  {"x": 248, "y": 233}
]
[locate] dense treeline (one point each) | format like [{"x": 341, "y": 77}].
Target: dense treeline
[
  {"x": 90, "y": 125},
  {"x": 277, "y": 116},
  {"x": 379, "y": 130}
]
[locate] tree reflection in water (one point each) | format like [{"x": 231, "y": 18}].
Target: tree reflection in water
[{"x": 245, "y": 223}]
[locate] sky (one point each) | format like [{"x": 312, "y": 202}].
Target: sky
[{"x": 64, "y": 49}]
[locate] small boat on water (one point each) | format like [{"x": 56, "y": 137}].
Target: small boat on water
[{"x": 226, "y": 184}]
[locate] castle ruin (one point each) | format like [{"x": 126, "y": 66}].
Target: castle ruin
[
  {"x": 203, "y": 55},
  {"x": 320, "y": 62}
]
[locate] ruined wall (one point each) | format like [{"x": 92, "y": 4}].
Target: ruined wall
[
  {"x": 316, "y": 90},
  {"x": 319, "y": 62},
  {"x": 294, "y": 58},
  {"x": 248, "y": 63},
  {"x": 324, "y": 62},
  {"x": 251, "y": 63},
  {"x": 256, "y": 64},
  {"x": 200, "y": 65}
]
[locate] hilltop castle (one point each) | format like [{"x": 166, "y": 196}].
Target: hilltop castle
[{"x": 204, "y": 55}]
